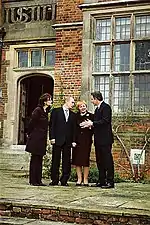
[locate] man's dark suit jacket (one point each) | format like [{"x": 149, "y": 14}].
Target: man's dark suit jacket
[
  {"x": 102, "y": 125},
  {"x": 60, "y": 130}
]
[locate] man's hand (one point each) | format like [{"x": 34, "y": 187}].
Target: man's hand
[
  {"x": 87, "y": 123},
  {"x": 74, "y": 144},
  {"x": 52, "y": 141}
]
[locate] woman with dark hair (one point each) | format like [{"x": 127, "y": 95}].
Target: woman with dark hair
[
  {"x": 81, "y": 152},
  {"x": 37, "y": 139}
]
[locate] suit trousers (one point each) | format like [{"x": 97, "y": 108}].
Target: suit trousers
[
  {"x": 105, "y": 164},
  {"x": 66, "y": 163},
  {"x": 35, "y": 173}
]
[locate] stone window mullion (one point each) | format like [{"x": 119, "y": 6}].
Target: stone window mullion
[{"x": 29, "y": 58}]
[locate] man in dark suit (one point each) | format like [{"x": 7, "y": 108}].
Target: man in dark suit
[
  {"x": 62, "y": 135},
  {"x": 103, "y": 139}
]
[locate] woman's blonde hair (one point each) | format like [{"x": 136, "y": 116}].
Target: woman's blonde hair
[{"x": 80, "y": 103}]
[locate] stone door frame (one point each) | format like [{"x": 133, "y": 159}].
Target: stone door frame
[{"x": 13, "y": 79}]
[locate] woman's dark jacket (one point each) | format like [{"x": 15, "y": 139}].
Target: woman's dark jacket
[{"x": 37, "y": 132}]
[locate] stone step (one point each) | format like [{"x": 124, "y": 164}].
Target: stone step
[
  {"x": 14, "y": 159},
  {"x": 17, "y": 167}
]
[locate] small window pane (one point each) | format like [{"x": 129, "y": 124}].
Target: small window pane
[
  {"x": 102, "y": 58},
  {"x": 142, "y": 26},
  {"x": 142, "y": 93},
  {"x": 142, "y": 55},
  {"x": 23, "y": 58},
  {"x": 36, "y": 58},
  {"x": 122, "y": 28},
  {"x": 102, "y": 85},
  {"x": 103, "y": 28},
  {"x": 122, "y": 57},
  {"x": 121, "y": 94},
  {"x": 49, "y": 58}
]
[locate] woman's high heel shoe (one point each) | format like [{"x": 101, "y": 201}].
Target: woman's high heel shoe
[
  {"x": 78, "y": 184},
  {"x": 86, "y": 185}
]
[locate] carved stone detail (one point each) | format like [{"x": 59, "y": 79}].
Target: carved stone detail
[{"x": 30, "y": 14}]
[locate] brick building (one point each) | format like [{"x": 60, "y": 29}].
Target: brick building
[{"x": 75, "y": 47}]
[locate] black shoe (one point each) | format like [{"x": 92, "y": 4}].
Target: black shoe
[
  {"x": 53, "y": 184},
  {"x": 41, "y": 184},
  {"x": 64, "y": 184},
  {"x": 34, "y": 184},
  {"x": 78, "y": 184},
  {"x": 96, "y": 185},
  {"x": 108, "y": 185},
  {"x": 86, "y": 185}
]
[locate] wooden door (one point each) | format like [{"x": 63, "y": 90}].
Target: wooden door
[{"x": 22, "y": 113}]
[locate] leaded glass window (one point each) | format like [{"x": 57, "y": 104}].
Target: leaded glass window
[
  {"x": 102, "y": 83},
  {"x": 121, "y": 57},
  {"x": 102, "y": 58},
  {"x": 23, "y": 58},
  {"x": 121, "y": 62},
  {"x": 122, "y": 28},
  {"x": 142, "y": 93},
  {"x": 103, "y": 28},
  {"x": 142, "y": 55},
  {"x": 142, "y": 26},
  {"x": 36, "y": 58},
  {"x": 121, "y": 94},
  {"x": 49, "y": 58}
]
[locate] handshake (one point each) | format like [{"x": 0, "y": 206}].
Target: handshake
[{"x": 86, "y": 123}]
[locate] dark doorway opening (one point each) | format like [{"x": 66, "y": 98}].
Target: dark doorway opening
[{"x": 31, "y": 88}]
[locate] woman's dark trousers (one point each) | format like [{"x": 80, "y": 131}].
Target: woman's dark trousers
[{"x": 35, "y": 174}]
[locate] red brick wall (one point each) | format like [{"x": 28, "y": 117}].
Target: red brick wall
[
  {"x": 134, "y": 136},
  {"x": 68, "y": 11},
  {"x": 68, "y": 66},
  {"x": 68, "y": 62}
]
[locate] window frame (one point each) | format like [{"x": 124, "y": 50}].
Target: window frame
[
  {"x": 132, "y": 43},
  {"x": 29, "y": 50}
]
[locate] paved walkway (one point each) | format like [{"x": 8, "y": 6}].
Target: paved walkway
[{"x": 126, "y": 199}]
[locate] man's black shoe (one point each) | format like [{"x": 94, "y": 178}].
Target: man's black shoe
[
  {"x": 97, "y": 185},
  {"x": 64, "y": 184},
  {"x": 108, "y": 186},
  {"x": 41, "y": 184},
  {"x": 34, "y": 184},
  {"x": 53, "y": 184}
]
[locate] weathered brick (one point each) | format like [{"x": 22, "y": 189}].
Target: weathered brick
[{"x": 5, "y": 213}]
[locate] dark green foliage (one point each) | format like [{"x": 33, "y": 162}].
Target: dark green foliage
[
  {"x": 93, "y": 176},
  {"x": 73, "y": 175},
  {"x": 47, "y": 162}
]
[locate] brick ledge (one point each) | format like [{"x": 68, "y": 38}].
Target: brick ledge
[{"x": 79, "y": 216}]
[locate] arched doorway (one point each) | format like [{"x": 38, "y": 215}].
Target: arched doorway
[{"x": 31, "y": 88}]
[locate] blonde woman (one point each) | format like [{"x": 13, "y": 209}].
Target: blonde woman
[{"x": 81, "y": 153}]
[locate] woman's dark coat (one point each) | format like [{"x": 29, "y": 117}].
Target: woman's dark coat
[
  {"x": 81, "y": 153},
  {"x": 37, "y": 132}
]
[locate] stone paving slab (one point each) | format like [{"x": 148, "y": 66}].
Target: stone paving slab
[{"x": 124, "y": 196}]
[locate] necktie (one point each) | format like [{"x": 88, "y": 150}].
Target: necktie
[{"x": 66, "y": 114}]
